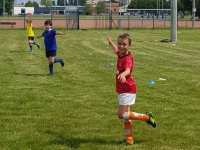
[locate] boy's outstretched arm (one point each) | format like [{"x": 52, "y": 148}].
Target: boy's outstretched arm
[
  {"x": 39, "y": 36},
  {"x": 114, "y": 47},
  {"x": 59, "y": 33}
]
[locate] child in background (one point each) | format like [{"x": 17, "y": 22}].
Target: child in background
[
  {"x": 126, "y": 87},
  {"x": 30, "y": 33},
  {"x": 49, "y": 35}
]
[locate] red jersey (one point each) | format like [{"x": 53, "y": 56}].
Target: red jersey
[{"x": 122, "y": 63}]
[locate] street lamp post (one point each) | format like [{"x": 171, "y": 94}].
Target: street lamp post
[
  {"x": 157, "y": 10},
  {"x": 173, "y": 23},
  {"x": 3, "y": 9},
  {"x": 162, "y": 11},
  {"x": 193, "y": 13}
]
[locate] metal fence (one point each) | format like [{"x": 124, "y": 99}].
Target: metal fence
[{"x": 103, "y": 21}]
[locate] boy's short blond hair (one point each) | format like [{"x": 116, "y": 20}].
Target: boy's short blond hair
[{"x": 29, "y": 20}]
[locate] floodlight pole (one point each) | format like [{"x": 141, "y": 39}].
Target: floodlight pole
[
  {"x": 162, "y": 11},
  {"x": 110, "y": 23},
  {"x": 193, "y": 13},
  {"x": 173, "y": 23},
  {"x": 3, "y": 9},
  {"x": 77, "y": 15}
]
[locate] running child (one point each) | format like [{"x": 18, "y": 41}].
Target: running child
[
  {"x": 126, "y": 87},
  {"x": 30, "y": 33},
  {"x": 49, "y": 35}
]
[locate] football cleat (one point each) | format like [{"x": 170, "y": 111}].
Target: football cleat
[
  {"x": 62, "y": 62},
  {"x": 151, "y": 120}
]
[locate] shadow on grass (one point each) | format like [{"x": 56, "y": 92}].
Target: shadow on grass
[
  {"x": 29, "y": 74},
  {"x": 76, "y": 142},
  {"x": 20, "y": 52}
]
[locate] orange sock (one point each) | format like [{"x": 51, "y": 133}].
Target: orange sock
[
  {"x": 138, "y": 116},
  {"x": 128, "y": 130}
]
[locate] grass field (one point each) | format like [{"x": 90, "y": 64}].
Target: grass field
[{"x": 76, "y": 108}]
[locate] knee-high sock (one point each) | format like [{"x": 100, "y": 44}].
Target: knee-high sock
[
  {"x": 57, "y": 60},
  {"x": 128, "y": 131},
  {"x": 135, "y": 116},
  {"x": 51, "y": 69},
  {"x": 35, "y": 43},
  {"x": 31, "y": 48}
]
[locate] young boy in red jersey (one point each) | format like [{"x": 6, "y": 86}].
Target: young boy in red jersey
[{"x": 126, "y": 87}]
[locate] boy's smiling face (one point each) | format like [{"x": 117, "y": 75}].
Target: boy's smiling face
[
  {"x": 123, "y": 46},
  {"x": 47, "y": 26}
]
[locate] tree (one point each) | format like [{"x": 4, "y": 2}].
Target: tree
[
  {"x": 82, "y": 2},
  {"x": 35, "y": 4},
  {"x": 31, "y": 4},
  {"x": 60, "y": 2},
  {"x": 101, "y": 7},
  {"x": 71, "y": 2},
  {"x": 132, "y": 5},
  {"x": 187, "y": 5},
  {"x": 46, "y": 3},
  {"x": 148, "y": 4},
  {"x": 87, "y": 9},
  {"x": 197, "y": 5},
  {"x": 8, "y": 6}
]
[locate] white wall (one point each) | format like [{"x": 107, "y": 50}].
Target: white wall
[{"x": 17, "y": 10}]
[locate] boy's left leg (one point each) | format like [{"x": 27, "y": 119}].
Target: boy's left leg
[
  {"x": 51, "y": 62},
  {"x": 127, "y": 124},
  {"x": 37, "y": 44},
  {"x": 128, "y": 132},
  {"x": 30, "y": 45},
  {"x": 148, "y": 117},
  {"x": 60, "y": 60}
]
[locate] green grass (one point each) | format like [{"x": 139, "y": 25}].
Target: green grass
[{"x": 76, "y": 108}]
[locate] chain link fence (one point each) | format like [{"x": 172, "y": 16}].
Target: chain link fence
[{"x": 72, "y": 20}]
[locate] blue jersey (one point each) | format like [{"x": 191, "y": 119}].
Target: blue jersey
[{"x": 50, "y": 39}]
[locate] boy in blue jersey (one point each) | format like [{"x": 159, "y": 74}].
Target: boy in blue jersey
[{"x": 49, "y": 35}]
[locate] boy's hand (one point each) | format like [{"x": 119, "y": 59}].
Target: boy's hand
[
  {"x": 109, "y": 39},
  {"x": 122, "y": 78}
]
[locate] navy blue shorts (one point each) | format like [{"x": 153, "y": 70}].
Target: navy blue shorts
[
  {"x": 30, "y": 38},
  {"x": 51, "y": 53}
]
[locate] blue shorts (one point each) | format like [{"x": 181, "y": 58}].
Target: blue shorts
[{"x": 51, "y": 53}]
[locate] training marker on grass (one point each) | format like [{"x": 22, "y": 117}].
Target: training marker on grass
[
  {"x": 151, "y": 82},
  {"x": 162, "y": 79},
  {"x": 110, "y": 64}
]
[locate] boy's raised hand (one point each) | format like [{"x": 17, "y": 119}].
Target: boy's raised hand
[{"x": 109, "y": 39}]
